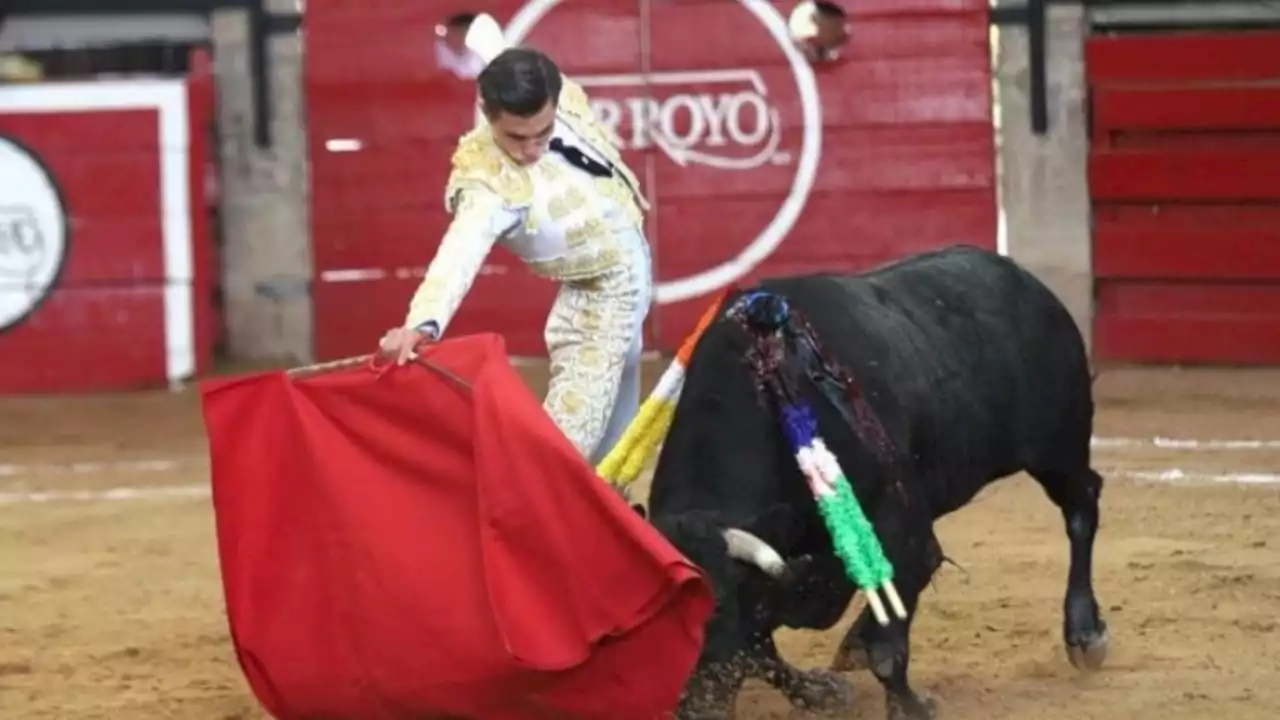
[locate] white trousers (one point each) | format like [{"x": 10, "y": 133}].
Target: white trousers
[{"x": 595, "y": 335}]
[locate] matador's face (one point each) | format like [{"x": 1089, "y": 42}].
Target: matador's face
[{"x": 524, "y": 138}]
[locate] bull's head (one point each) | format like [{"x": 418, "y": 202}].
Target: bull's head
[
  {"x": 746, "y": 573},
  {"x": 743, "y": 567},
  {"x": 744, "y": 546}
]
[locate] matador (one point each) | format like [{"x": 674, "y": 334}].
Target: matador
[{"x": 545, "y": 180}]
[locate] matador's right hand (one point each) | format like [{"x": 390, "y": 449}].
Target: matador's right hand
[{"x": 400, "y": 343}]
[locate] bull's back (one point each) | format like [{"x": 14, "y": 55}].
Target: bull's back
[{"x": 961, "y": 351}]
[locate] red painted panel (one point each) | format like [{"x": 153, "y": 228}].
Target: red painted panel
[
  {"x": 1177, "y": 141},
  {"x": 1186, "y": 174},
  {"x": 1179, "y": 322},
  {"x": 681, "y": 41},
  {"x": 108, "y": 300},
  {"x": 392, "y": 113},
  {"x": 1206, "y": 215},
  {"x": 892, "y": 36},
  {"x": 348, "y": 193},
  {"x": 369, "y": 49},
  {"x": 110, "y": 189},
  {"x": 872, "y": 8},
  {"x": 353, "y": 10},
  {"x": 892, "y": 158},
  {"x": 1187, "y": 242},
  {"x": 1185, "y": 108},
  {"x": 1187, "y": 340},
  {"x": 411, "y": 175},
  {"x": 592, "y": 38},
  {"x": 100, "y": 132},
  {"x": 1182, "y": 58},
  {"x": 357, "y": 313},
  {"x": 903, "y": 90},
  {"x": 54, "y": 350},
  {"x": 1206, "y": 299},
  {"x": 837, "y": 232},
  {"x": 1200, "y": 253},
  {"x": 382, "y": 237}
]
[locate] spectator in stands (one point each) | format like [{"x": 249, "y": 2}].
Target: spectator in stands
[
  {"x": 452, "y": 53},
  {"x": 15, "y": 67},
  {"x": 820, "y": 28}
]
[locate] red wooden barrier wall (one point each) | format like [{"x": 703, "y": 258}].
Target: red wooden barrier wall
[
  {"x": 906, "y": 161},
  {"x": 1185, "y": 177},
  {"x": 104, "y": 279}
]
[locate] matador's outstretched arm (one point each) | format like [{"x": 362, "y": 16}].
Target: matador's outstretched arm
[{"x": 480, "y": 218}]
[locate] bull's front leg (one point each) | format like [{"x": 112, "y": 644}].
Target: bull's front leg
[
  {"x": 886, "y": 651},
  {"x": 814, "y": 690},
  {"x": 815, "y": 598},
  {"x": 711, "y": 693}
]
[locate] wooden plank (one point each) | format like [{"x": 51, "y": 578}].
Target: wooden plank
[
  {"x": 1123, "y": 250},
  {"x": 126, "y": 325},
  {"x": 874, "y": 8},
  {"x": 680, "y": 41},
  {"x": 1221, "y": 140},
  {"x": 1182, "y": 57},
  {"x": 1249, "y": 341},
  {"x": 839, "y": 231},
  {"x": 1186, "y": 174},
  {"x": 1182, "y": 299},
  {"x": 1186, "y": 108},
  {"x": 890, "y": 158},
  {"x": 1187, "y": 322},
  {"x": 1182, "y": 14},
  {"x": 346, "y": 309}
]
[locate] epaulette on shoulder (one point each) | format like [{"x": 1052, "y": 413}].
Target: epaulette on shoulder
[
  {"x": 574, "y": 101},
  {"x": 478, "y": 161}
]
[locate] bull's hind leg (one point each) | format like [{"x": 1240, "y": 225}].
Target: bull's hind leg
[
  {"x": 886, "y": 651},
  {"x": 1083, "y": 629}
]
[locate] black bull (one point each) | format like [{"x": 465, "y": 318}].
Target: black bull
[{"x": 974, "y": 370}]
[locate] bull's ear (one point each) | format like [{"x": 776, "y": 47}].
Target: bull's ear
[{"x": 773, "y": 525}]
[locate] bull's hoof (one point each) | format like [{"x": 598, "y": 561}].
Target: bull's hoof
[
  {"x": 821, "y": 691},
  {"x": 709, "y": 697},
  {"x": 1089, "y": 653},
  {"x": 914, "y": 708}
]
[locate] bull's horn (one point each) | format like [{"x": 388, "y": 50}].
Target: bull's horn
[{"x": 748, "y": 548}]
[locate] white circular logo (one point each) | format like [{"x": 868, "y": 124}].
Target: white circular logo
[
  {"x": 33, "y": 233},
  {"x": 690, "y": 128}
]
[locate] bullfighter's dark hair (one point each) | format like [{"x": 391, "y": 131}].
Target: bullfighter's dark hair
[
  {"x": 461, "y": 20},
  {"x": 520, "y": 81},
  {"x": 828, "y": 9}
]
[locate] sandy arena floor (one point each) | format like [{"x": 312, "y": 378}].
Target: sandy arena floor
[{"x": 111, "y": 607}]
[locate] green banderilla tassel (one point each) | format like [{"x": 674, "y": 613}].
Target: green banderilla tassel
[{"x": 856, "y": 543}]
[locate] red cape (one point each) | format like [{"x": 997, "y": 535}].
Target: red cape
[{"x": 396, "y": 545}]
